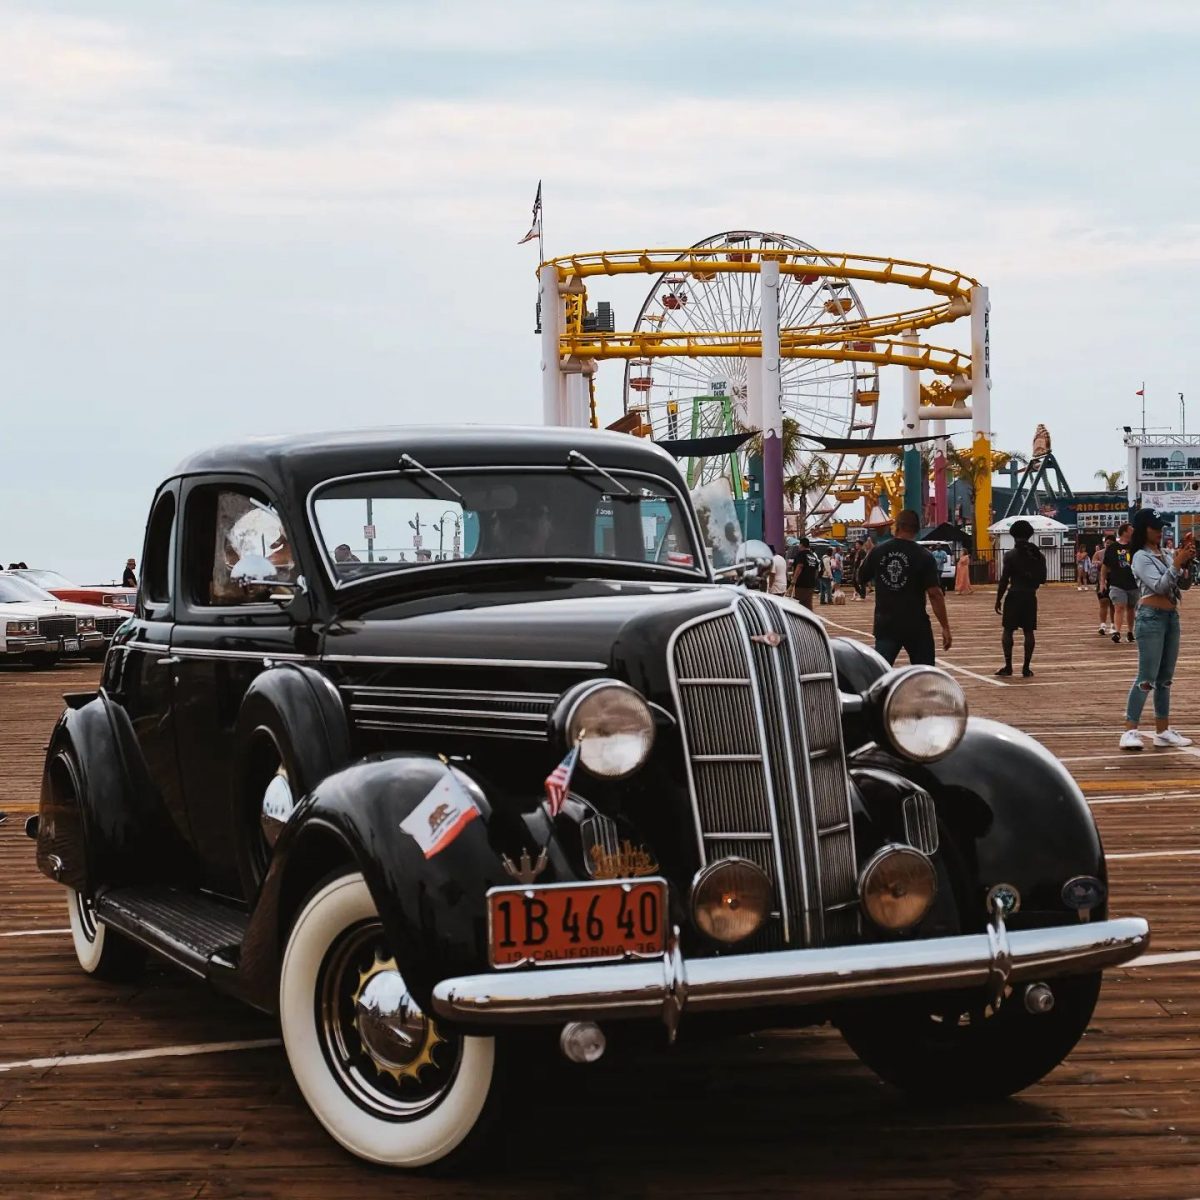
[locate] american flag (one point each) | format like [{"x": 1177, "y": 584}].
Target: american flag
[{"x": 558, "y": 782}]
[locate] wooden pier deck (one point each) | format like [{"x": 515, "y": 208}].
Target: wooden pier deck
[{"x": 190, "y": 1096}]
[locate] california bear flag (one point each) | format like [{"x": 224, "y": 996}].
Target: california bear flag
[{"x": 441, "y": 816}]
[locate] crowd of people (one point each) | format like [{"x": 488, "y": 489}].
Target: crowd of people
[{"x": 1138, "y": 582}]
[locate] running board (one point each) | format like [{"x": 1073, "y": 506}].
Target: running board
[{"x": 187, "y": 929}]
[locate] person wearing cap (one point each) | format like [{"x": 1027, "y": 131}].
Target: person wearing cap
[
  {"x": 1016, "y": 597},
  {"x": 129, "y": 578},
  {"x": 1160, "y": 580}
]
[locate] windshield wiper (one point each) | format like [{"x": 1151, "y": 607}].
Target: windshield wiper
[
  {"x": 575, "y": 459},
  {"x": 408, "y": 463}
]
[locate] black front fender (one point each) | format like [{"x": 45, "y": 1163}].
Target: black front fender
[
  {"x": 1015, "y": 815},
  {"x": 433, "y": 909}
]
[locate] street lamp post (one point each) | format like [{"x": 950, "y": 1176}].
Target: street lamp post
[{"x": 441, "y": 527}]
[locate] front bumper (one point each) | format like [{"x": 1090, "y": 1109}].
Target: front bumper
[
  {"x": 36, "y": 646},
  {"x": 663, "y": 988},
  {"x": 24, "y": 647}
]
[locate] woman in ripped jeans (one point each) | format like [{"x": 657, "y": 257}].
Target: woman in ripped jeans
[{"x": 1160, "y": 581}]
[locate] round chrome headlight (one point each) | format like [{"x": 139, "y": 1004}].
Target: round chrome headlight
[
  {"x": 613, "y": 727},
  {"x": 924, "y": 713},
  {"x": 897, "y": 887},
  {"x": 731, "y": 899}
]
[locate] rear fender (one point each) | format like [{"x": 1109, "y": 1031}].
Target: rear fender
[
  {"x": 100, "y": 821},
  {"x": 433, "y": 909}
]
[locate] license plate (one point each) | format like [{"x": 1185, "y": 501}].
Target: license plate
[
  {"x": 70, "y": 645},
  {"x": 577, "y": 922}
]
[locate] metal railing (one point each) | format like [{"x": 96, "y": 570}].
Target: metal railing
[{"x": 987, "y": 565}]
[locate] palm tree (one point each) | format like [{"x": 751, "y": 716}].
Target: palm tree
[
  {"x": 1112, "y": 479},
  {"x": 971, "y": 471}
]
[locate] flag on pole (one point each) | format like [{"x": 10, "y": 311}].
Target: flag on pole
[
  {"x": 535, "y": 230},
  {"x": 558, "y": 782},
  {"x": 1140, "y": 392}
]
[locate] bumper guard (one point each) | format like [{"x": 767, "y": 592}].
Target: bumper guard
[{"x": 664, "y": 987}]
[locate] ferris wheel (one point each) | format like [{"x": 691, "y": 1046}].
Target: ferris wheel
[{"x": 693, "y": 397}]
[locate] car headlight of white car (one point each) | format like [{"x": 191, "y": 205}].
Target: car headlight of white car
[
  {"x": 20, "y": 628},
  {"x": 87, "y": 624}
]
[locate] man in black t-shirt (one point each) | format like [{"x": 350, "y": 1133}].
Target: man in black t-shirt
[
  {"x": 804, "y": 574},
  {"x": 904, "y": 574},
  {"x": 1117, "y": 574},
  {"x": 1024, "y": 572}
]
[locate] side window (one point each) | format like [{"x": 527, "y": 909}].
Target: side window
[
  {"x": 156, "y": 561},
  {"x": 234, "y": 536}
]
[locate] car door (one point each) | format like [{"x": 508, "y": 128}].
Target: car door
[
  {"x": 225, "y": 634},
  {"x": 139, "y": 671}
]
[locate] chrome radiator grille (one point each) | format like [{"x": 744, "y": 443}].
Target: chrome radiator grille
[
  {"x": 53, "y": 627},
  {"x": 761, "y": 723}
]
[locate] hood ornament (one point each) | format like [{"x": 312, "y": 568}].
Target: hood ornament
[
  {"x": 525, "y": 870},
  {"x": 771, "y": 639}
]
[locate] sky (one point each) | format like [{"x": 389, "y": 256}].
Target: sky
[{"x": 230, "y": 219}]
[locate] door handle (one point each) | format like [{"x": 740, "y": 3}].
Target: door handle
[{"x": 167, "y": 660}]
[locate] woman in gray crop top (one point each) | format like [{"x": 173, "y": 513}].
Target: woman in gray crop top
[{"x": 1160, "y": 580}]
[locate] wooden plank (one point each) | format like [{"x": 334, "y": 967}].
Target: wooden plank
[{"x": 775, "y": 1115}]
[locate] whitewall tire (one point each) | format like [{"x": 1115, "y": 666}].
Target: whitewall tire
[
  {"x": 381, "y": 1078},
  {"x": 100, "y": 952}
]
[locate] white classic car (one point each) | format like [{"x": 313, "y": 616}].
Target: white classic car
[{"x": 39, "y": 629}]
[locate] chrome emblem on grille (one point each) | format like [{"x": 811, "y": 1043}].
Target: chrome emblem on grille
[{"x": 768, "y": 639}]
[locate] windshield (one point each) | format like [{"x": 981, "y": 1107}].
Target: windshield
[
  {"x": 18, "y": 591},
  {"x": 47, "y": 579},
  {"x": 380, "y": 524}
]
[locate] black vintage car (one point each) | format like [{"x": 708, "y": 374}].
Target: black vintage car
[{"x": 425, "y": 739}]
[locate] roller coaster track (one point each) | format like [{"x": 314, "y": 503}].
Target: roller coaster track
[{"x": 748, "y": 344}]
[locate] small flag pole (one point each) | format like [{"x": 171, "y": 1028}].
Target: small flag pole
[{"x": 1143, "y": 408}]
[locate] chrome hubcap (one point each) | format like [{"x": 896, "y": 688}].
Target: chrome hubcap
[
  {"x": 394, "y": 1031},
  {"x": 384, "y": 1051}
]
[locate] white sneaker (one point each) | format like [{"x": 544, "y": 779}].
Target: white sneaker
[
  {"x": 1103, "y": 631},
  {"x": 1169, "y": 737},
  {"x": 1131, "y": 740}
]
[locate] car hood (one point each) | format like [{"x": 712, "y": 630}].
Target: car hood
[
  {"x": 585, "y": 627},
  {"x": 26, "y": 610}
]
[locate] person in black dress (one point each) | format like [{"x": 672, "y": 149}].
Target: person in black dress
[{"x": 1024, "y": 572}]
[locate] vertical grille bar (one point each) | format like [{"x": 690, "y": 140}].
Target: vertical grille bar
[{"x": 760, "y": 719}]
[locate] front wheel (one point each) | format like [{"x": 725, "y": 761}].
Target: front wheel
[
  {"x": 956, "y": 1046},
  {"x": 382, "y": 1077}
]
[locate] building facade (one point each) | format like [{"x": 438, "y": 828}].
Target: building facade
[{"x": 1163, "y": 473}]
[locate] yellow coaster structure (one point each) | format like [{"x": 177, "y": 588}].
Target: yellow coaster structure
[{"x": 572, "y": 350}]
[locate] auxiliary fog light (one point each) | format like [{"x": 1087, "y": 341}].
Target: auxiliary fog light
[
  {"x": 582, "y": 1041},
  {"x": 897, "y": 887},
  {"x": 613, "y": 728},
  {"x": 924, "y": 713},
  {"x": 731, "y": 899}
]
